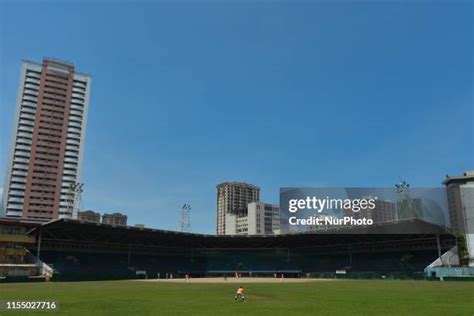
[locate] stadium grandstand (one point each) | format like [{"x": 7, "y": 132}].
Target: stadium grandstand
[
  {"x": 74, "y": 250},
  {"x": 16, "y": 260}
]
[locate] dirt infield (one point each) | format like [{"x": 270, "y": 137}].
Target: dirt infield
[{"x": 244, "y": 280}]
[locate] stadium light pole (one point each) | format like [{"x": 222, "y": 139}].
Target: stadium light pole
[{"x": 185, "y": 223}]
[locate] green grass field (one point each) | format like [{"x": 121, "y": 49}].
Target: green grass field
[{"x": 351, "y": 297}]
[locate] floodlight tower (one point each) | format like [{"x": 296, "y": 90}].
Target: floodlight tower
[
  {"x": 404, "y": 196},
  {"x": 402, "y": 189},
  {"x": 184, "y": 223},
  {"x": 73, "y": 196}
]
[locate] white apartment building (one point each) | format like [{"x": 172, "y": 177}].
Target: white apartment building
[
  {"x": 460, "y": 192},
  {"x": 261, "y": 219}
]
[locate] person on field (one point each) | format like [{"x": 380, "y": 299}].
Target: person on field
[{"x": 240, "y": 294}]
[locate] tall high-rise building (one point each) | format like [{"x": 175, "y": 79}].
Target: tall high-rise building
[
  {"x": 45, "y": 160},
  {"x": 460, "y": 192},
  {"x": 233, "y": 198}
]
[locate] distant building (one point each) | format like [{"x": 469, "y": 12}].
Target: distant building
[
  {"x": 322, "y": 218},
  {"x": 460, "y": 192},
  {"x": 410, "y": 208},
  {"x": 384, "y": 211},
  {"x": 117, "y": 219},
  {"x": 45, "y": 159},
  {"x": 261, "y": 219},
  {"x": 233, "y": 198},
  {"x": 89, "y": 216}
]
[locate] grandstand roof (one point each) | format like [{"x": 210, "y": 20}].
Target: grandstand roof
[
  {"x": 25, "y": 222},
  {"x": 67, "y": 230}
]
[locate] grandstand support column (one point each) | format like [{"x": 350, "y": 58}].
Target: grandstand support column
[
  {"x": 38, "y": 246},
  {"x": 438, "y": 244},
  {"x": 129, "y": 253},
  {"x": 350, "y": 255}
]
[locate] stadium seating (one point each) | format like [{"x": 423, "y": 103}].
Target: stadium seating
[{"x": 84, "y": 265}]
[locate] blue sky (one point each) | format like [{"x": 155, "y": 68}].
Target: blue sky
[{"x": 189, "y": 94}]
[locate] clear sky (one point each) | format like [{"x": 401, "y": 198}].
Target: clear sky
[{"x": 188, "y": 94}]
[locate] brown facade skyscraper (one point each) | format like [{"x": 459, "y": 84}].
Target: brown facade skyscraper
[{"x": 45, "y": 159}]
